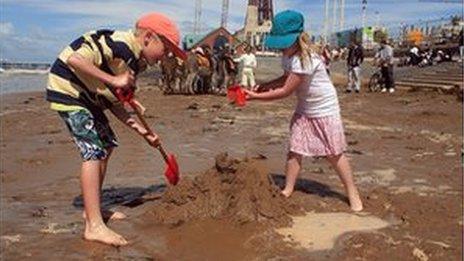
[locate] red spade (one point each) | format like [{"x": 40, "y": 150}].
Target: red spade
[{"x": 172, "y": 169}]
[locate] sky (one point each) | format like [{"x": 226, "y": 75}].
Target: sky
[{"x": 36, "y": 30}]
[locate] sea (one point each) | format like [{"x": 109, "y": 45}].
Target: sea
[{"x": 17, "y": 80}]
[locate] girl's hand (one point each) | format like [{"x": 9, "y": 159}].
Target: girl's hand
[{"x": 250, "y": 95}]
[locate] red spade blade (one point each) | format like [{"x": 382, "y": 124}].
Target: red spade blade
[{"x": 172, "y": 170}]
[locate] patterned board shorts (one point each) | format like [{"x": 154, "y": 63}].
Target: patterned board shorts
[{"x": 92, "y": 135}]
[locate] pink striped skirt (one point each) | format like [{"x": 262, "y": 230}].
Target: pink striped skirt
[{"x": 317, "y": 136}]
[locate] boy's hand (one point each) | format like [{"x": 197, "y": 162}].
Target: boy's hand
[
  {"x": 125, "y": 80},
  {"x": 139, "y": 106},
  {"x": 152, "y": 139}
]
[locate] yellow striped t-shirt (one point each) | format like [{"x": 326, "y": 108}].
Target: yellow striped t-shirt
[{"x": 112, "y": 51}]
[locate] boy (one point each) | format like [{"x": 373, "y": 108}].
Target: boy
[{"x": 82, "y": 83}]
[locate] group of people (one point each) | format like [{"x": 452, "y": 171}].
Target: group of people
[
  {"x": 208, "y": 62},
  {"x": 214, "y": 67},
  {"x": 426, "y": 57},
  {"x": 383, "y": 59},
  {"x": 88, "y": 74}
]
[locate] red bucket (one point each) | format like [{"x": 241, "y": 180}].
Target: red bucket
[
  {"x": 241, "y": 98},
  {"x": 236, "y": 94},
  {"x": 232, "y": 92}
]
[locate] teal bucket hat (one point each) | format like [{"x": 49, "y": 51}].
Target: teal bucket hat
[{"x": 286, "y": 27}]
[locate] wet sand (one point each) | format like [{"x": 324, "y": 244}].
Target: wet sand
[{"x": 405, "y": 149}]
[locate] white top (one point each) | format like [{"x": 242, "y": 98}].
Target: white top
[
  {"x": 316, "y": 96},
  {"x": 247, "y": 60},
  {"x": 386, "y": 54}
]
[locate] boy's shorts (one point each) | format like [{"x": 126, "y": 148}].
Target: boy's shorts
[{"x": 91, "y": 133}]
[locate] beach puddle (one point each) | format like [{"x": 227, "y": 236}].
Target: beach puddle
[{"x": 320, "y": 231}]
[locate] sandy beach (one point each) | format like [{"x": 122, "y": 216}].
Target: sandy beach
[{"x": 405, "y": 148}]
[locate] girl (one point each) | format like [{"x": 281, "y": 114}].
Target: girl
[{"x": 316, "y": 126}]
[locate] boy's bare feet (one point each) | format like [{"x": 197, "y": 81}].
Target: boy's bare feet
[
  {"x": 286, "y": 193},
  {"x": 101, "y": 233},
  {"x": 109, "y": 215}
]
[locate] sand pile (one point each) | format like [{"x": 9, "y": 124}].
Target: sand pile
[{"x": 242, "y": 191}]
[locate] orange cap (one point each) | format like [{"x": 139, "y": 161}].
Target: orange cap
[{"x": 165, "y": 27}]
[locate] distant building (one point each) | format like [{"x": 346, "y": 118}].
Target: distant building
[
  {"x": 214, "y": 39},
  {"x": 368, "y": 36},
  {"x": 258, "y": 23},
  {"x": 438, "y": 31}
]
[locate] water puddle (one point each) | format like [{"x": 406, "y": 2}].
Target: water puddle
[{"x": 319, "y": 231}]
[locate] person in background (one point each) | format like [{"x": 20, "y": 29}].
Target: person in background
[
  {"x": 248, "y": 64},
  {"x": 386, "y": 66},
  {"x": 461, "y": 46},
  {"x": 204, "y": 69},
  {"x": 326, "y": 58},
  {"x": 353, "y": 62},
  {"x": 334, "y": 54},
  {"x": 414, "y": 56}
]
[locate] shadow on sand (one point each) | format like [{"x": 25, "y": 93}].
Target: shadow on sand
[
  {"x": 125, "y": 196},
  {"x": 309, "y": 187},
  {"x": 135, "y": 196}
]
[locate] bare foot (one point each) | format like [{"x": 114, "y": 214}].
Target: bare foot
[
  {"x": 109, "y": 215},
  {"x": 114, "y": 215},
  {"x": 286, "y": 193},
  {"x": 103, "y": 234},
  {"x": 355, "y": 202}
]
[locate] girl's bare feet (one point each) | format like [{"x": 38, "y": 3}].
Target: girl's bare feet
[
  {"x": 101, "y": 233},
  {"x": 109, "y": 215},
  {"x": 286, "y": 193},
  {"x": 355, "y": 201}
]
